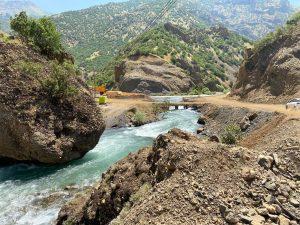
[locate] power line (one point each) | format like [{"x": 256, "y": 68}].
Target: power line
[{"x": 161, "y": 14}]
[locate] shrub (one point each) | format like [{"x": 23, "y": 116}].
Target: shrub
[
  {"x": 30, "y": 69},
  {"x": 294, "y": 19},
  {"x": 231, "y": 134},
  {"x": 42, "y": 33},
  {"x": 156, "y": 109},
  {"x": 45, "y": 36},
  {"x": 139, "y": 119},
  {"x": 58, "y": 84}
]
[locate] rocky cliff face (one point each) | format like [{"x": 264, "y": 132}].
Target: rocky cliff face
[
  {"x": 271, "y": 73},
  {"x": 35, "y": 127},
  {"x": 151, "y": 74}
]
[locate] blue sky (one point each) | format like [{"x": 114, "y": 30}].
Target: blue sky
[
  {"x": 56, "y": 6},
  {"x": 295, "y": 2}
]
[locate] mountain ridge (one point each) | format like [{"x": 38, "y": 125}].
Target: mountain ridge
[
  {"x": 12, "y": 7},
  {"x": 105, "y": 29}
]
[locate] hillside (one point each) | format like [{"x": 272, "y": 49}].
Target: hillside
[
  {"x": 95, "y": 35},
  {"x": 11, "y": 8},
  {"x": 270, "y": 71},
  {"x": 47, "y": 114},
  {"x": 209, "y": 56}
]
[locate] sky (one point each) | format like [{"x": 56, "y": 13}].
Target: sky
[
  {"x": 295, "y": 2},
  {"x": 57, "y": 6}
]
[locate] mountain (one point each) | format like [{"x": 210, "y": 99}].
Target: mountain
[
  {"x": 209, "y": 56},
  {"x": 9, "y": 8},
  {"x": 95, "y": 35},
  {"x": 271, "y": 71}
]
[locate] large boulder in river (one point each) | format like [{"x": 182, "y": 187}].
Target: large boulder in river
[
  {"x": 35, "y": 126},
  {"x": 151, "y": 74},
  {"x": 271, "y": 72}
]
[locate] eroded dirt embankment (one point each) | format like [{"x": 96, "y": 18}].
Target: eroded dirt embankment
[{"x": 184, "y": 179}]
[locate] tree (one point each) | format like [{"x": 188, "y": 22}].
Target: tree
[
  {"x": 21, "y": 24},
  {"x": 42, "y": 33},
  {"x": 45, "y": 36}
]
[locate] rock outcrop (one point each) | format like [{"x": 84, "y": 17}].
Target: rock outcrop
[
  {"x": 34, "y": 126},
  {"x": 151, "y": 74},
  {"x": 271, "y": 73}
]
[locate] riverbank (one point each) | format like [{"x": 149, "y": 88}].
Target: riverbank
[
  {"x": 184, "y": 179},
  {"x": 121, "y": 112}
]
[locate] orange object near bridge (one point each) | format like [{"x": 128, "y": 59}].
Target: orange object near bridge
[{"x": 101, "y": 89}]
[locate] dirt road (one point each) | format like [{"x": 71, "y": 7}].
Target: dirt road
[
  {"x": 117, "y": 107},
  {"x": 224, "y": 101}
]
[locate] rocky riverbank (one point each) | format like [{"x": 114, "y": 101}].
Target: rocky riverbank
[
  {"x": 130, "y": 112},
  {"x": 184, "y": 179}
]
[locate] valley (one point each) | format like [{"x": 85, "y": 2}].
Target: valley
[{"x": 108, "y": 119}]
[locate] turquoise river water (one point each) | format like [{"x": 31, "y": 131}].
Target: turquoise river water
[{"x": 33, "y": 195}]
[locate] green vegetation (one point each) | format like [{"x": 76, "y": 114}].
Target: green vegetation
[
  {"x": 41, "y": 33},
  {"x": 201, "y": 53},
  {"x": 139, "y": 118},
  {"x": 203, "y": 91},
  {"x": 58, "y": 81},
  {"x": 97, "y": 34},
  {"x": 27, "y": 68},
  {"x": 279, "y": 32},
  {"x": 58, "y": 84},
  {"x": 231, "y": 134}
]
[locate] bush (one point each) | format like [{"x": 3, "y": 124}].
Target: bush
[
  {"x": 294, "y": 19},
  {"x": 58, "y": 84},
  {"x": 231, "y": 134},
  {"x": 42, "y": 33},
  {"x": 30, "y": 69},
  {"x": 139, "y": 119},
  {"x": 156, "y": 109},
  {"x": 199, "y": 91}
]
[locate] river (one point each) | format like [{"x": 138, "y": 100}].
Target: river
[{"x": 33, "y": 195}]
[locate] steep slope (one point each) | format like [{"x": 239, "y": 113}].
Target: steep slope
[
  {"x": 35, "y": 125},
  {"x": 95, "y": 35},
  {"x": 210, "y": 57},
  {"x": 12, "y": 7},
  {"x": 271, "y": 71}
]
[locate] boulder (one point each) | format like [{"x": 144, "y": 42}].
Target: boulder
[
  {"x": 200, "y": 130},
  {"x": 265, "y": 161},
  {"x": 245, "y": 123},
  {"x": 202, "y": 120},
  {"x": 214, "y": 138}
]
